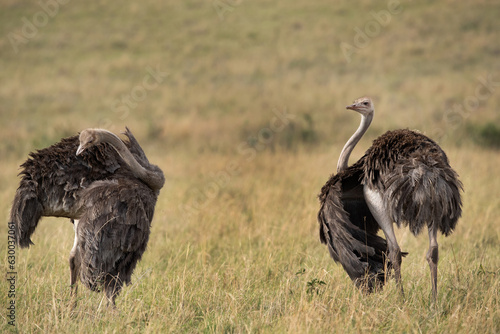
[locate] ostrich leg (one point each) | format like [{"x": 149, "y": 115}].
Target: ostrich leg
[
  {"x": 112, "y": 289},
  {"x": 74, "y": 264},
  {"x": 378, "y": 210},
  {"x": 432, "y": 258}
]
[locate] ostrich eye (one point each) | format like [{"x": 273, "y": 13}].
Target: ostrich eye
[{"x": 365, "y": 103}]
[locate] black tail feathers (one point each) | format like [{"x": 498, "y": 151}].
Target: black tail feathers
[{"x": 25, "y": 213}]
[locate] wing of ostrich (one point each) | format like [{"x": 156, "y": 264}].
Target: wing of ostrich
[
  {"x": 51, "y": 179},
  {"x": 113, "y": 233},
  {"x": 420, "y": 187},
  {"x": 350, "y": 231}
]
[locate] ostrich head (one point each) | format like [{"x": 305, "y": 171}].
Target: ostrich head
[
  {"x": 88, "y": 138},
  {"x": 363, "y": 105}
]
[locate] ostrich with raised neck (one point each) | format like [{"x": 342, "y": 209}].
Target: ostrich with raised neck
[
  {"x": 108, "y": 189},
  {"x": 365, "y": 107},
  {"x": 404, "y": 177}
]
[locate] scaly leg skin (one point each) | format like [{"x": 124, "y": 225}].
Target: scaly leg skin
[
  {"x": 111, "y": 299},
  {"x": 377, "y": 208},
  {"x": 74, "y": 266},
  {"x": 112, "y": 289},
  {"x": 111, "y": 296},
  {"x": 432, "y": 258}
]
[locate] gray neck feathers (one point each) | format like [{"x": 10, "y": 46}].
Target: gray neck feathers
[
  {"x": 351, "y": 143},
  {"x": 152, "y": 179}
]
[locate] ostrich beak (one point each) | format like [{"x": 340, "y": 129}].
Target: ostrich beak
[
  {"x": 80, "y": 150},
  {"x": 352, "y": 107}
]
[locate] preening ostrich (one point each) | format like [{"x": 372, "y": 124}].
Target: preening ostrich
[
  {"x": 404, "y": 177},
  {"x": 108, "y": 188}
]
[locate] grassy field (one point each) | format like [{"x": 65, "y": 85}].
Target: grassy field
[{"x": 242, "y": 104}]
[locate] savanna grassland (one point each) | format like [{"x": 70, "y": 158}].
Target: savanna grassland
[{"x": 242, "y": 104}]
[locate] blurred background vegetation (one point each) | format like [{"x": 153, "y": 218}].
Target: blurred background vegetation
[{"x": 229, "y": 63}]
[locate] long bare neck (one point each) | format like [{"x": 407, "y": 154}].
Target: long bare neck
[
  {"x": 154, "y": 180},
  {"x": 351, "y": 143}
]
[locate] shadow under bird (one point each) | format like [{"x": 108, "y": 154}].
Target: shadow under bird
[
  {"x": 404, "y": 177},
  {"x": 108, "y": 188}
]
